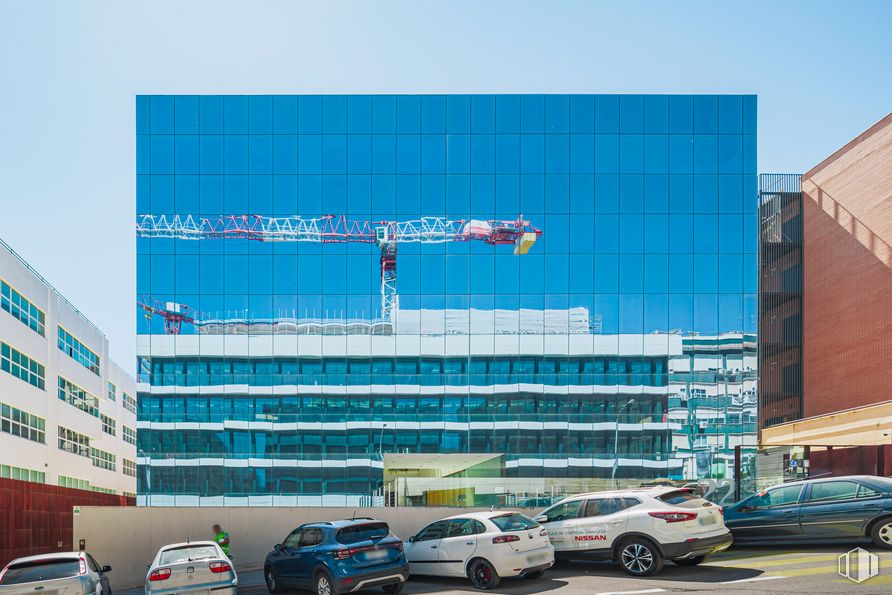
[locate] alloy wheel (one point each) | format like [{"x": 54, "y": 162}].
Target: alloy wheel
[
  {"x": 270, "y": 580},
  {"x": 637, "y": 558},
  {"x": 323, "y": 587},
  {"x": 482, "y": 574}
]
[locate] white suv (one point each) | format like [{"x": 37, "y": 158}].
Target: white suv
[
  {"x": 640, "y": 528},
  {"x": 483, "y": 546}
]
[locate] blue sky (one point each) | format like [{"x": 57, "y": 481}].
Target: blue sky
[{"x": 69, "y": 73}]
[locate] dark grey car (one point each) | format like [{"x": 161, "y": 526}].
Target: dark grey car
[{"x": 850, "y": 509}]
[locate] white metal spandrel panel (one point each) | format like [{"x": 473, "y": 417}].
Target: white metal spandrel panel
[
  {"x": 582, "y": 344},
  {"x": 285, "y": 345},
  {"x": 531, "y": 344},
  {"x": 162, "y": 346},
  {"x": 143, "y": 345},
  {"x": 606, "y": 344},
  {"x": 505, "y": 345},
  {"x": 309, "y": 345},
  {"x": 631, "y": 345},
  {"x": 188, "y": 345},
  {"x": 383, "y": 345},
  {"x": 334, "y": 346},
  {"x": 260, "y": 345},
  {"x": 433, "y": 346},
  {"x": 456, "y": 345},
  {"x": 557, "y": 344},
  {"x": 408, "y": 345},
  {"x": 482, "y": 345},
  {"x": 236, "y": 346},
  {"x": 359, "y": 346},
  {"x": 212, "y": 345}
]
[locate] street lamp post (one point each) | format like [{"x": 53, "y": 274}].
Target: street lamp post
[
  {"x": 381, "y": 442},
  {"x": 616, "y": 440}
]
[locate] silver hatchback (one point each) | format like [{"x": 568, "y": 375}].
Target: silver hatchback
[
  {"x": 69, "y": 573},
  {"x": 192, "y": 567}
]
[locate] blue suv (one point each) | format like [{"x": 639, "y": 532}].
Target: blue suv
[{"x": 337, "y": 557}]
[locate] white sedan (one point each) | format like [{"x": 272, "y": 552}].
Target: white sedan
[
  {"x": 483, "y": 546},
  {"x": 640, "y": 528},
  {"x": 193, "y": 567}
]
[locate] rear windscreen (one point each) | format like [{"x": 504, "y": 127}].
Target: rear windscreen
[
  {"x": 188, "y": 553},
  {"x": 514, "y": 522},
  {"x": 367, "y": 532},
  {"x": 678, "y": 498},
  {"x": 42, "y": 570}
]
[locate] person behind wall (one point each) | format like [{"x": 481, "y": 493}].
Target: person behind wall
[{"x": 221, "y": 537}]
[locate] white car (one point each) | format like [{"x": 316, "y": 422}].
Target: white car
[
  {"x": 640, "y": 528},
  {"x": 483, "y": 546},
  {"x": 192, "y": 567}
]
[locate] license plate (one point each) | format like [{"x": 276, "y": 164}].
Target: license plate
[
  {"x": 537, "y": 558},
  {"x": 376, "y": 555},
  {"x": 706, "y": 520}
]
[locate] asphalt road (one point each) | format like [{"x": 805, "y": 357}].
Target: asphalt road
[{"x": 741, "y": 570}]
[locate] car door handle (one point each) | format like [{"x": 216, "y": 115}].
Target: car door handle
[
  {"x": 617, "y": 522},
  {"x": 433, "y": 547},
  {"x": 469, "y": 543},
  {"x": 790, "y": 512}
]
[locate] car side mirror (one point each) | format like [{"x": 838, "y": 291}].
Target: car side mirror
[
  {"x": 412, "y": 539},
  {"x": 541, "y": 519},
  {"x": 278, "y": 547},
  {"x": 106, "y": 568}
]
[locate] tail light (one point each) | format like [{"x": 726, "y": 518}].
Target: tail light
[
  {"x": 218, "y": 567},
  {"x": 398, "y": 546},
  {"x": 543, "y": 532},
  {"x": 343, "y": 554},
  {"x": 162, "y": 574},
  {"x": 721, "y": 511},
  {"x": 83, "y": 566},
  {"x": 674, "y": 517},
  {"x": 505, "y": 538}
]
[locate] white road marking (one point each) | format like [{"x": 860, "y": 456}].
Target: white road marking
[
  {"x": 752, "y": 580},
  {"x": 632, "y": 592}
]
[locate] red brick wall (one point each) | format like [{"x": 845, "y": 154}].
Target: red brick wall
[
  {"x": 847, "y": 276},
  {"x": 36, "y": 518}
]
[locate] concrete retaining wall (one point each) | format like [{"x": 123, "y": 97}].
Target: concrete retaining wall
[{"x": 127, "y": 538}]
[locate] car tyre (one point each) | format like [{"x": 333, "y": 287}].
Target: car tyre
[
  {"x": 393, "y": 587},
  {"x": 272, "y": 580},
  {"x": 882, "y": 533},
  {"x": 689, "y": 561},
  {"x": 640, "y": 557},
  {"x": 483, "y": 575},
  {"x": 324, "y": 584}
]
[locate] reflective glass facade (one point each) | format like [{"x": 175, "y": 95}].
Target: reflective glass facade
[{"x": 583, "y": 308}]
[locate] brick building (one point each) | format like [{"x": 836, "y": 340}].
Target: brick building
[{"x": 826, "y": 296}]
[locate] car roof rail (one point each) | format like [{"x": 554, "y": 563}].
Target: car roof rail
[{"x": 362, "y": 518}]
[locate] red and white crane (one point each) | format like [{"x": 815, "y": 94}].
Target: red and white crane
[{"x": 387, "y": 235}]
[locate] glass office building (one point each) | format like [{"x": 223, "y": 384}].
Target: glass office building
[{"x": 442, "y": 299}]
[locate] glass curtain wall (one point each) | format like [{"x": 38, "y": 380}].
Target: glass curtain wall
[{"x": 580, "y": 301}]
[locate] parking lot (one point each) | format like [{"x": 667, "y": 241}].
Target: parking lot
[{"x": 751, "y": 570}]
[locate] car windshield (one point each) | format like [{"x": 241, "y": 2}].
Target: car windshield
[
  {"x": 188, "y": 553},
  {"x": 41, "y": 570},
  {"x": 366, "y": 532},
  {"x": 514, "y": 522}
]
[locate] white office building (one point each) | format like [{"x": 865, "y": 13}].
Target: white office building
[{"x": 67, "y": 412}]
